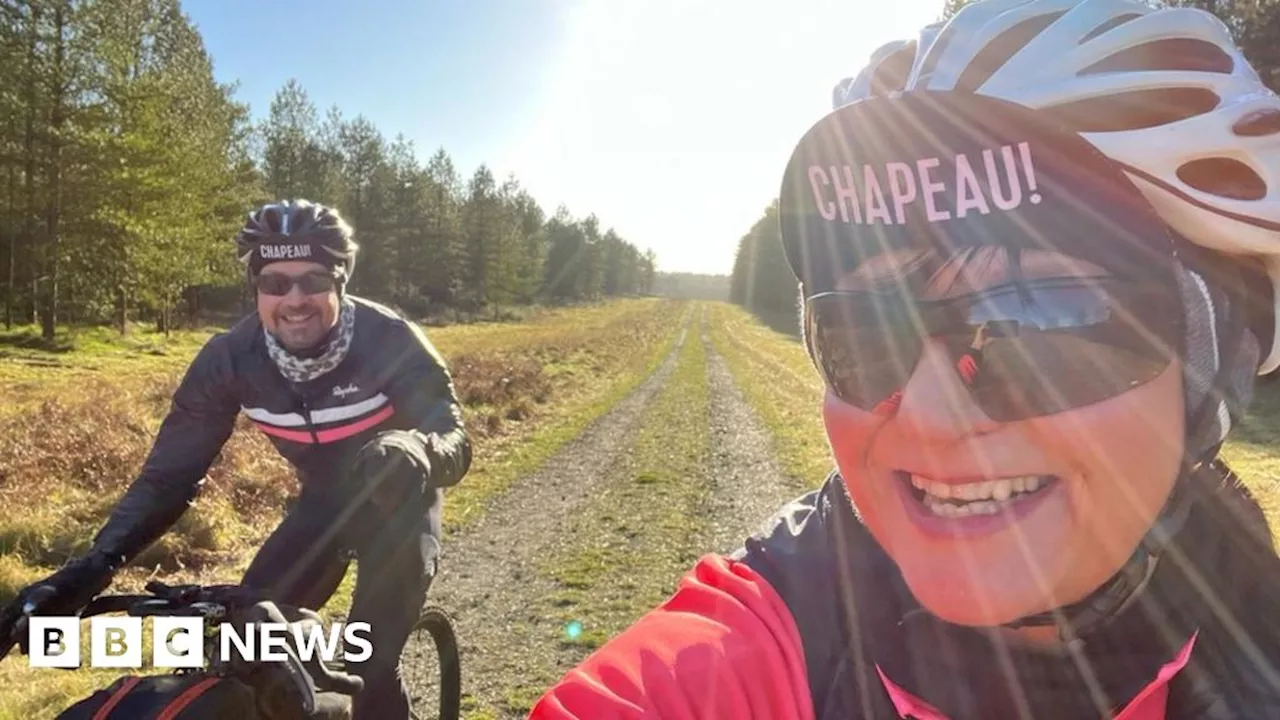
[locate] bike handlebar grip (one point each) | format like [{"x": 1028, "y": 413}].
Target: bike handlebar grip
[{"x": 329, "y": 680}]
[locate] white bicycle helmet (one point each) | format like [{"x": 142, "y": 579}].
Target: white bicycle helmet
[{"x": 1163, "y": 92}]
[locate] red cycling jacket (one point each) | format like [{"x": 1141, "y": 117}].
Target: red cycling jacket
[{"x": 741, "y": 639}]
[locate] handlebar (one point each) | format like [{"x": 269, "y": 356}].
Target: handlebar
[
  {"x": 209, "y": 601},
  {"x": 216, "y": 603}
]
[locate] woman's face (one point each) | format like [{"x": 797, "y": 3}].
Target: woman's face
[{"x": 1103, "y": 472}]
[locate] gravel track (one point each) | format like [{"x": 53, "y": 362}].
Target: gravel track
[
  {"x": 748, "y": 486},
  {"x": 487, "y": 572}
]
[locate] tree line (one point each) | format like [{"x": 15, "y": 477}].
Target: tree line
[
  {"x": 431, "y": 238},
  {"x": 763, "y": 282},
  {"x": 126, "y": 168},
  {"x": 692, "y": 286}
]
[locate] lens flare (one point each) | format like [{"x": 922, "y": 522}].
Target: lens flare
[{"x": 573, "y": 629}]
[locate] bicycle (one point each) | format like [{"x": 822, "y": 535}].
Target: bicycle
[{"x": 308, "y": 678}]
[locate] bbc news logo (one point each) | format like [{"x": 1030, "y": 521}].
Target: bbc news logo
[{"x": 179, "y": 642}]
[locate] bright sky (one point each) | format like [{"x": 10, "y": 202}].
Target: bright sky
[{"x": 671, "y": 120}]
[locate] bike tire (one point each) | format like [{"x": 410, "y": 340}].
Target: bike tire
[{"x": 439, "y": 625}]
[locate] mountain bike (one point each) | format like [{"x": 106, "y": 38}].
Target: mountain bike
[{"x": 298, "y": 687}]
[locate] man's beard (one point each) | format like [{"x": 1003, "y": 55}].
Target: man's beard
[{"x": 306, "y": 339}]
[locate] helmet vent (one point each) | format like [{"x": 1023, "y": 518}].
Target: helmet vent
[
  {"x": 936, "y": 48},
  {"x": 272, "y": 218},
  {"x": 891, "y": 74},
  {"x": 1258, "y": 123},
  {"x": 1136, "y": 110},
  {"x": 999, "y": 50},
  {"x": 1224, "y": 177},
  {"x": 1111, "y": 24},
  {"x": 1185, "y": 54}
]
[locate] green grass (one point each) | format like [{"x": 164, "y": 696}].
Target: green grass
[
  {"x": 25, "y": 341},
  {"x": 43, "y": 693},
  {"x": 1253, "y": 450}
]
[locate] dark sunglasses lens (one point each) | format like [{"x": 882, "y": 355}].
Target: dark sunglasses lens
[
  {"x": 278, "y": 284},
  {"x": 1046, "y": 350},
  {"x": 274, "y": 284},
  {"x": 313, "y": 283},
  {"x": 866, "y": 348},
  {"x": 1043, "y": 373},
  {"x": 1068, "y": 348}
]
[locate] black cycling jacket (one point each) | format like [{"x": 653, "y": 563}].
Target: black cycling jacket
[{"x": 392, "y": 379}]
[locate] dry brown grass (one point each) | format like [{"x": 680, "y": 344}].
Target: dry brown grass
[{"x": 64, "y": 463}]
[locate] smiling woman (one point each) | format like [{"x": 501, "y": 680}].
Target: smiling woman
[
  {"x": 1025, "y": 401},
  {"x": 1036, "y": 513}
]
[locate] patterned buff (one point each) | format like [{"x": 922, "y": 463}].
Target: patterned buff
[
  {"x": 300, "y": 370},
  {"x": 1218, "y": 366}
]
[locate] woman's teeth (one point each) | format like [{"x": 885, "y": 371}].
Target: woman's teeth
[{"x": 980, "y": 498}]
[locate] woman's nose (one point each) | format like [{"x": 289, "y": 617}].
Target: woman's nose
[{"x": 936, "y": 402}]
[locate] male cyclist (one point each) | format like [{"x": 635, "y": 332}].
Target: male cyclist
[{"x": 355, "y": 398}]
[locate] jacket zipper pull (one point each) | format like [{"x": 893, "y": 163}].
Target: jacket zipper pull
[{"x": 306, "y": 415}]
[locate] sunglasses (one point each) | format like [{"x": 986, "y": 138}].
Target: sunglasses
[
  {"x": 1022, "y": 351},
  {"x": 279, "y": 284}
]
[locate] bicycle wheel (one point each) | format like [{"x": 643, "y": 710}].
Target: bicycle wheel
[{"x": 431, "y": 667}]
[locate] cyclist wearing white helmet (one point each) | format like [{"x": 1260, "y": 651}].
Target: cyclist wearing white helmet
[
  {"x": 1037, "y": 255},
  {"x": 359, "y": 403}
]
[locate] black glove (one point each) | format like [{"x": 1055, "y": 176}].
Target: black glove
[
  {"x": 65, "y": 592},
  {"x": 389, "y": 470}
]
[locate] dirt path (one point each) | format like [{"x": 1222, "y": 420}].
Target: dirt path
[
  {"x": 487, "y": 570},
  {"x": 504, "y": 606},
  {"x": 747, "y": 485}
]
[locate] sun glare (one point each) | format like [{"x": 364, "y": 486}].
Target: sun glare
[{"x": 674, "y": 119}]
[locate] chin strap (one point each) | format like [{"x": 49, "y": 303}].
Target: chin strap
[{"x": 1111, "y": 599}]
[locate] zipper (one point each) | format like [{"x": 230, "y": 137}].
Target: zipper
[{"x": 306, "y": 415}]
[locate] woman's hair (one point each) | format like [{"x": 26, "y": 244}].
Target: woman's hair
[{"x": 1225, "y": 561}]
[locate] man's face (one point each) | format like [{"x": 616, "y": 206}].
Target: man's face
[{"x": 298, "y": 318}]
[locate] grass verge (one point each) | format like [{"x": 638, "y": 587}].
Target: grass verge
[{"x": 1252, "y": 450}]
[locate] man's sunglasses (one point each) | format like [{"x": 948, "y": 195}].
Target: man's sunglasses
[
  {"x": 312, "y": 283},
  {"x": 1022, "y": 351}
]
